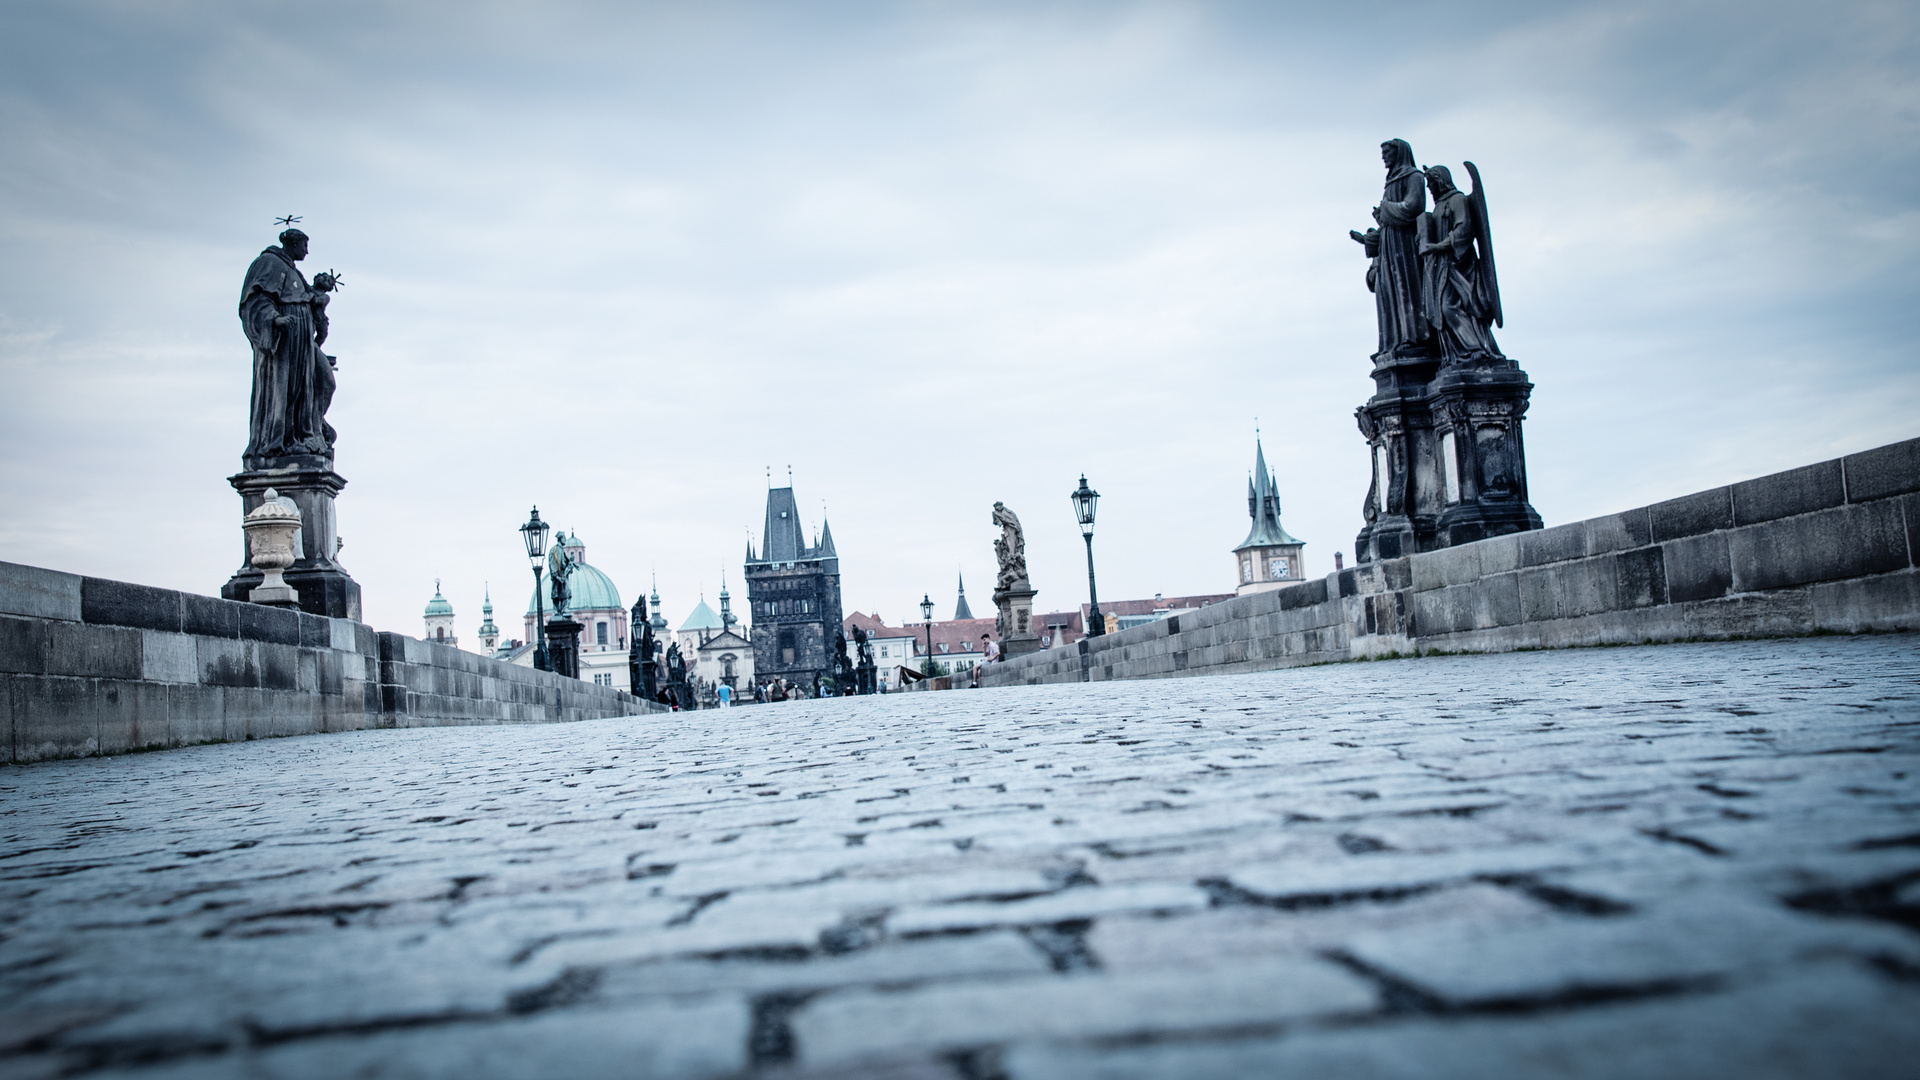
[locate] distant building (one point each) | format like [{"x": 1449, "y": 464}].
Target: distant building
[
  {"x": 961, "y": 610},
  {"x": 1268, "y": 558},
  {"x": 893, "y": 646},
  {"x": 594, "y": 603},
  {"x": 957, "y": 643},
  {"x": 1066, "y": 627},
  {"x": 439, "y": 618},
  {"x": 793, "y": 589},
  {"x": 489, "y": 634}
]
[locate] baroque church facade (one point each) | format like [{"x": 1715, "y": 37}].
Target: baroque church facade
[{"x": 793, "y": 591}]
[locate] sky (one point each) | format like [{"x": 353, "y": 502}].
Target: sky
[{"x": 626, "y": 261}]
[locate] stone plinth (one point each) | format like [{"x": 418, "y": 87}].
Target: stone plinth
[
  {"x": 1014, "y": 623},
  {"x": 563, "y": 647},
  {"x": 323, "y": 585},
  {"x": 1449, "y": 463}
]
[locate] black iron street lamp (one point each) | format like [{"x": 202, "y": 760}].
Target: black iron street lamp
[
  {"x": 926, "y": 616},
  {"x": 534, "y": 532},
  {"x": 1084, "y": 501}
]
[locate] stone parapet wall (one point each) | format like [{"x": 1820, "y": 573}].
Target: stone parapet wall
[
  {"x": 93, "y": 666},
  {"x": 1832, "y": 547}
]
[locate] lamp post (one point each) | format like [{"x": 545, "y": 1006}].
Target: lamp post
[
  {"x": 1084, "y": 501},
  {"x": 534, "y": 532},
  {"x": 926, "y": 616}
]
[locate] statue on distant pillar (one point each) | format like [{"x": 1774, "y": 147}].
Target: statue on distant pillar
[
  {"x": 1460, "y": 294},
  {"x": 559, "y": 567},
  {"x": 286, "y": 322},
  {"x": 1011, "y": 549},
  {"x": 1393, "y": 247}
]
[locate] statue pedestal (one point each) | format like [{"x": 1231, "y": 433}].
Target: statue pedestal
[
  {"x": 1449, "y": 463},
  {"x": 563, "y": 647},
  {"x": 321, "y": 582},
  {"x": 1015, "y": 620}
]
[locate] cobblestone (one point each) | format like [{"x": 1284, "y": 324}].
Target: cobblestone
[{"x": 1685, "y": 860}]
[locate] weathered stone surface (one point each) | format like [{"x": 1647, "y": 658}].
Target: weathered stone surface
[
  {"x": 1691, "y": 515},
  {"x": 1688, "y": 860},
  {"x": 45, "y": 594},
  {"x": 1883, "y": 471},
  {"x": 1784, "y": 494}
]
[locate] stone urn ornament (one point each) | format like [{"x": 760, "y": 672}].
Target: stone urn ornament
[{"x": 271, "y": 529}]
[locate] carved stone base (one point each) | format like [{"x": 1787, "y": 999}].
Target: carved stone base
[
  {"x": 323, "y": 586},
  {"x": 1449, "y": 461},
  {"x": 1014, "y": 622},
  {"x": 563, "y": 647}
]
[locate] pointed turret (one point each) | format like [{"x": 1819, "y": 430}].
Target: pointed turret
[
  {"x": 489, "y": 633},
  {"x": 961, "y": 610},
  {"x": 825, "y": 547},
  {"x": 1268, "y": 556}
]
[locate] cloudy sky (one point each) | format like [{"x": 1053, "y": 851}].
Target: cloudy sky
[{"x": 621, "y": 259}]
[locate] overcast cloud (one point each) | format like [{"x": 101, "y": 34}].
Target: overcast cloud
[{"x": 619, "y": 259}]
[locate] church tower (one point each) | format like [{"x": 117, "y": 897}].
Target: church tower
[
  {"x": 793, "y": 593},
  {"x": 961, "y": 610},
  {"x": 489, "y": 633},
  {"x": 1268, "y": 558},
  {"x": 439, "y": 618}
]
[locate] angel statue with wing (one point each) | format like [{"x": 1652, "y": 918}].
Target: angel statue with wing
[{"x": 1461, "y": 300}]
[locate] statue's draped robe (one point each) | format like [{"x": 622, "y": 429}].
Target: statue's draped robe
[
  {"x": 292, "y": 381},
  {"x": 1396, "y": 273},
  {"x": 1457, "y": 295}
]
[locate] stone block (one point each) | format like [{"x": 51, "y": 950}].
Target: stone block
[
  {"x": 1558, "y": 544},
  {"x": 227, "y": 663},
  {"x": 269, "y": 624},
  {"x": 1881, "y": 602},
  {"x": 53, "y": 717},
  {"x": 1828, "y": 545},
  {"x": 1697, "y": 567},
  {"x": 316, "y": 631},
  {"x": 43, "y": 594},
  {"x": 1496, "y": 601},
  {"x": 1784, "y": 494},
  {"x": 942, "y": 1017},
  {"x": 1448, "y": 566},
  {"x": 209, "y": 616},
  {"x": 111, "y": 652},
  {"x": 1691, "y": 515},
  {"x": 131, "y": 715},
  {"x": 23, "y": 646},
  {"x": 195, "y": 715},
  {"x": 6, "y": 721},
  {"x": 1781, "y": 613},
  {"x": 119, "y": 603},
  {"x": 1618, "y": 532},
  {"x": 279, "y": 665},
  {"x": 1642, "y": 578},
  {"x": 344, "y": 634},
  {"x": 1588, "y": 586},
  {"x": 168, "y": 658},
  {"x": 1883, "y": 471},
  {"x": 1539, "y": 594},
  {"x": 1500, "y": 554}
]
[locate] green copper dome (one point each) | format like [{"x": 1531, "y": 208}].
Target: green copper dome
[
  {"x": 438, "y": 605},
  {"x": 591, "y": 591}
]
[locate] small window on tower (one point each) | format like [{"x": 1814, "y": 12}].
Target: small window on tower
[{"x": 600, "y": 633}]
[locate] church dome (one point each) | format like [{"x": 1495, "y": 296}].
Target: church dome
[
  {"x": 438, "y": 605},
  {"x": 591, "y": 591}
]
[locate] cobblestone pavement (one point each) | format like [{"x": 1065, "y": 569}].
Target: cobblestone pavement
[{"x": 1685, "y": 861}]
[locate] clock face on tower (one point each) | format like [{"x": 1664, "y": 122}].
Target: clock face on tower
[{"x": 1277, "y": 567}]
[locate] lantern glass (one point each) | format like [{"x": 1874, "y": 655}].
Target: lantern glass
[
  {"x": 926, "y": 607},
  {"x": 534, "y": 532},
  {"x": 1085, "y": 500}
]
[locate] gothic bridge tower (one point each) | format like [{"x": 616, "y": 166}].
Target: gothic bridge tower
[{"x": 793, "y": 590}]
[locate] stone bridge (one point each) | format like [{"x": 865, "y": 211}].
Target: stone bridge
[{"x": 1694, "y": 860}]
